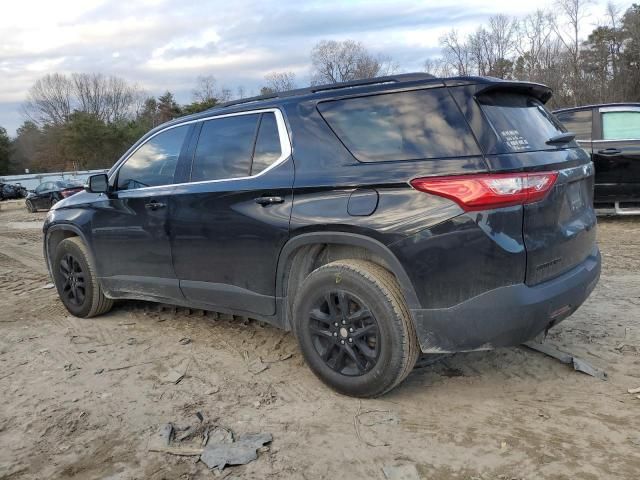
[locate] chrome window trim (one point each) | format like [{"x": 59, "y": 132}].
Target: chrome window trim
[
  {"x": 283, "y": 133},
  {"x": 616, "y": 140},
  {"x": 620, "y": 108}
]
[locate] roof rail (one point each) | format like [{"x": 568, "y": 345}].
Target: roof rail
[{"x": 400, "y": 78}]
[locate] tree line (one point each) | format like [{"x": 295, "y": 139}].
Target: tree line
[
  {"x": 86, "y": 121},
  {"x": 546, "y": 47}
]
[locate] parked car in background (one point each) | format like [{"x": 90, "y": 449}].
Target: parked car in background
[
  {"x": 425, "y": 215},
  {"x": 610, "y": 133},
  {"x": 48, "y": 194},
  {"x": 9, "y": 191}
]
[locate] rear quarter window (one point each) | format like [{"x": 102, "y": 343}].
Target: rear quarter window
[
  {"x": 521, "y": 122},
  {"x": 414, "y": 125}
]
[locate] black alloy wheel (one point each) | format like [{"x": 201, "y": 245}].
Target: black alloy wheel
[
  {"x": 73, "y": 288},
  {"x": 345, "y": 334},
  {"x": 354, "y": 328}
]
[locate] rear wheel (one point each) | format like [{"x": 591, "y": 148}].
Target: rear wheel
[
  {"x": 76, "y": 281},
  {"x": 354, "y": 328}
]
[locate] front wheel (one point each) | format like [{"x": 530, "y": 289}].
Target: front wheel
[
  {"x": 354, "y": 328},
  {"x": 76, "y": 281},
  {"x": 30, "y": 207}
]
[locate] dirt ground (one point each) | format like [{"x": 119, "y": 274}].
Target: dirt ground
[{"x": 80, "y": 398}]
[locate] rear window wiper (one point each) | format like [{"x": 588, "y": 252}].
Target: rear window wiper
[{"x": 561, "y": 139}]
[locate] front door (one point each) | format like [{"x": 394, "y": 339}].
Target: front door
[
  {"x": 130, "y": 228},
  {"x": 230, "y": 221},
  {"x": 41, "y": 199}
]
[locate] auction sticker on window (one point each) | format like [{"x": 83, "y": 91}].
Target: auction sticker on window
[{"x": 514, "y": 139}]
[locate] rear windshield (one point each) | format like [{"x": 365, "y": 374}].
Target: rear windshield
[
  {"x": 413, "y": 125},
  {"x": 522, "y": 123}
]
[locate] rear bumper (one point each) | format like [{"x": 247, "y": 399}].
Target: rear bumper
[{"x": 506, "y": 316}]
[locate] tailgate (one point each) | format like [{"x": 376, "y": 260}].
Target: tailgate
[{"x": 559, "y": 232}]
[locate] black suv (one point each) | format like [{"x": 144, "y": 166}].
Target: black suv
[
  {"x": 376, "y": 219},
  {"x": 610, "y": 133}
]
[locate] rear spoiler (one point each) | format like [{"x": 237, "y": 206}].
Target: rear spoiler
[
  {"x": 536, "y": 90},
  {"x": 486, "y": 85}
]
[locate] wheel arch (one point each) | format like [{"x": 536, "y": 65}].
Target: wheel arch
[
  {"x": 56, "y": 234},
  {"x": 300, "y": 256}
]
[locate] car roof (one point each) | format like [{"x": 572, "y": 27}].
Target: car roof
[
  {"x": 597, "y": 105},
  {"x": 364, "y": 86},
  {"x": 332, "y": 91}
]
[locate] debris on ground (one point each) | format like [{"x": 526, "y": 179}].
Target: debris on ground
[
  {"x": 578, "y": 364},
  {"x": 256, "y": 366},
  {"x": 184, "y": 341},
  {"x": 634, "y": 390},
  {"x": 240, "y": 452},
  {"x": 370, "y": 419},
  {"x": 216, "y": 446},
  {"x": 48, "y": 286},
  {"x": 68, "y": 367},
  {"x": 401, "y": 472},
  {"x": 173, "y": 376}
]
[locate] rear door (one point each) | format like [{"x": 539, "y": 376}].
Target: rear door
[
  {"x": 617, "y": 152},
  {"x": 230, "y": 219},
  {"x": 559, "y": 231}
]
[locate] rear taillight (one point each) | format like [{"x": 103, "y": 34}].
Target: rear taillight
[
  {"x": 488, "y": 191},
  {"x": 68, "y": 192}
]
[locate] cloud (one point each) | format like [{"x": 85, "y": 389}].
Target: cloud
[{"x": 164, "y": 44}]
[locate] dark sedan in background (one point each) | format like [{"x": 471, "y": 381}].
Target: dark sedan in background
[
  {"x": 610, "y": 133},
  {"x": 49, "y": 193}
]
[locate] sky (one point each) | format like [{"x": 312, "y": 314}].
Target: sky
[{"x": 166, "y": 44}]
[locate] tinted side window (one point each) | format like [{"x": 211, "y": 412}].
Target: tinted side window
[
  {"x": 154, "y": 163},
  {"x": 621, "y": 125},
  {"x": 224, "y": 148},
  {"x": 401, "y": 126},
  {"x": 267, "y": 148},
  {"x": 577, "y": 122}
]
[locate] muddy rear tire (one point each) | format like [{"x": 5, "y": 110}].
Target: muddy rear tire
[
  {"x": 76, "y": 281},
  {"x": 354, "y": 328}
]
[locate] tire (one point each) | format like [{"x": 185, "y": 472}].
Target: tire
[
  {"x": 30, "y": 207},
  {"x": 76, "y": 281},
  {"x": 366, "y": 355}
]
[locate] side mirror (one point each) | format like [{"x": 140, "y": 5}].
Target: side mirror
[{"x": 97, "y": 183}]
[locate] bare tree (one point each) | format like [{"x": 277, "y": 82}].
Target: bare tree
[
  {"x": 534, "y": 33},
  {"x": 54, "y": 97},
  {"x": 456, "y": 53},
  {"x": 437, "y": 67},
  {"x": 334, "y": 62},
  {"x": 574, "y": 12},
  {"x": 280, "y": 81},
  {"x": 50, "y": 100},
  {"x": 206, "y": 89},
  {"x": 111, "y": 99}
]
